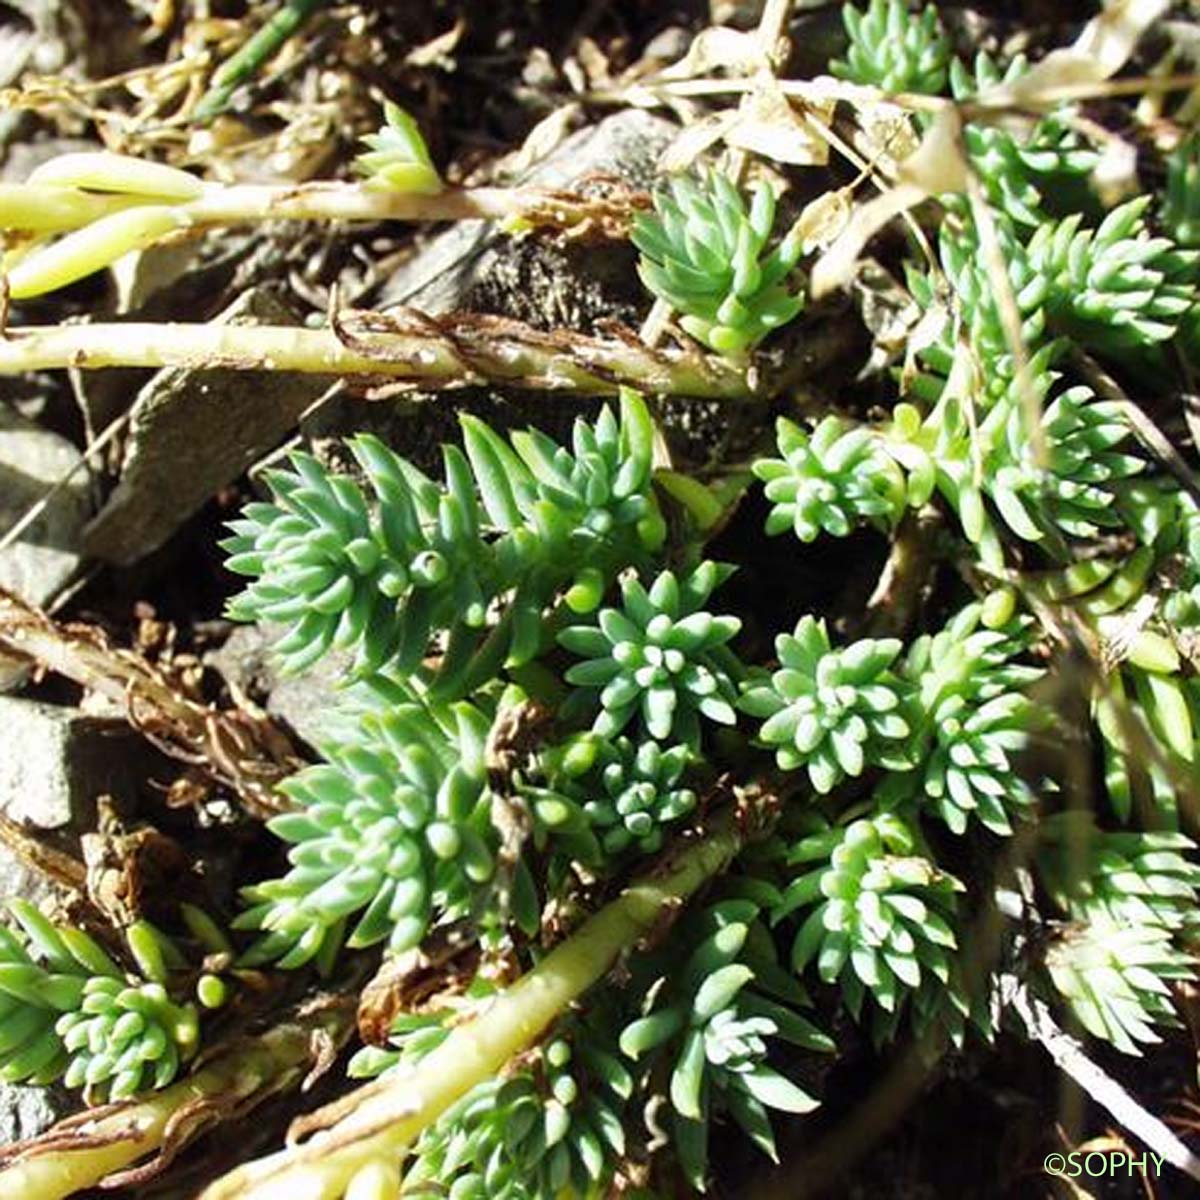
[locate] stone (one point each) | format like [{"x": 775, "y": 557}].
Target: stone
[
  {"x": 55, "y": 764},
  {"x": 58, "y": 761},
  {"x": 307, "y": 703},
  {"x": 193, "y": 432},
  {"x": 549, "y": 283},
  {"x": 47, "y": 554},
  {"x": 27, "y": 1111}
]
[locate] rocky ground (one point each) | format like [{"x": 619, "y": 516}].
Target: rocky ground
[{"x": 127, "y": 545}]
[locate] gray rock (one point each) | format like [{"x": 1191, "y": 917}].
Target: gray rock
[
  {"x": 550, "y": 283},
  {"x": 60, "y": 761},
  {"x": 307, "y": 702},
  {"x": 475, "y": 266},
  {"x": 27, "y": 1111},
  {"x": 192, "y": 433},
  {"x": 32, "y": 460}
]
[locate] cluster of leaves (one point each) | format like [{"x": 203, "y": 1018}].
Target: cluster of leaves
[
  {"x": 1117, "y": 288},
  {"x": 394, "y": 825},
  {"x": 705, "y": 254},
  {"x": 396, "y": 158},
  {"x": 710, "y": 1010},
  {"x": 891, "y": 50},
  {"x": 657, "y": 657},
  {"x": 535, "y": 572},
  {"x": 553, "y": 1125},
  {"x": 624, "y": 794},
  {"x": 69, "y": 1012},
  {"x": 517, "y": 523}
]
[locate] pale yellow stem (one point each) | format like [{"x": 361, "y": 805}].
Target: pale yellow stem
[
  {"x": 385, "y": 1117},
  {"x": 51, "y": 1167},
  {"x": 446, "y": 352}
]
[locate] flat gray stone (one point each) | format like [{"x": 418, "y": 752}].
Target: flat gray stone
[
  {"x": 55, "y": 764},
  {"x": 474, "y": 265},
  {"x": 32, "y": 460},
  {"x": 58, "y": 761},
  {"x": 308, "y": 703},
  {"x": 27, "y": 1111},
  {"x": 548, "y": 282},
  {"x": 193, "y": 432}
]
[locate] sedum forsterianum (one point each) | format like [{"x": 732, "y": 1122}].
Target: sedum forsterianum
[
  {"x": 1116, "y": 978},
  {"x": 1116, "y": 286},
  {"x": 393, "y": 830},
  {"x": 705, "y": 254},
  {"x": 554, "y": 1126},
  {"x": 658, "y": 657},
  {"x": 710, "y": 1019},
  {"x": 829, "y": 481},
  {"x": 536, "y": 572},
  {"x": 874, "y": 913},
  {"x": 628, "y": 793},
  {"x": 833, "y": 712},
  {"x": 516, "y": 521},
  {"x": 1023, "y": 172},
  {"x": 396, "y": 158},
  {"x": 1130, "y": 877},
  {"x": 894, "y": 50},
  {"x": 974, "y": 720},
  {"x": 68, "y": 1011}
]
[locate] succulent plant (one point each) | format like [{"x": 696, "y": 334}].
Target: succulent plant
[
  {"x": 710, "y": 1019},
  {"x": 878, "y": 915},
  {"x": 1181, "y": 199},
  {"x": 1074, "y": 491},
  {"x": 393, "y": 826},
  {"x": 1019, "y": 171},
  {"x": 893, "y": 49},
  {"x": 835, "y": 712},
  {"x": 657, "y": 656},
  {"x": 628, "y": 793},
  {"x": 1116, "y": 978},
  {"x": 524, "y": 522},
  {"x": 69, "y": 1012},
  {"x": 552, "y": 1128},
  {"x": 705, "y": 255},
  {"x": 829, "y": 481},
  {"x": 1116, "y": 286},
  {"x": 127, "y": 1038},
  {"x": 1129, "y": 877},
  {"x": 975, "y": 718},
  {"x": 397, "y": 158}
]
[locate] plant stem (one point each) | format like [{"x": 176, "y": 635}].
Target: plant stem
[
  {"x": 246, "y": 753},
  {"x": 435, "y": 353},
  {"x": 386, "y": 1116},
  {"x": 40, "y": 207},
  {"x": 1069, "y": 1057},
  {"x": 82, "y": 1151},
  {"x": 245, "y": 62}
]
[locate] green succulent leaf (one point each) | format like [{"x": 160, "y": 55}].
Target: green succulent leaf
[{"x": 705, "y": 254}]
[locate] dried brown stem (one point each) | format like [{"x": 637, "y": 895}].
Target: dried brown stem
[{"x": 243, "y": 751}]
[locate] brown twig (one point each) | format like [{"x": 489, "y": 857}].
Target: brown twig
[{"x": 246, "y": 752}]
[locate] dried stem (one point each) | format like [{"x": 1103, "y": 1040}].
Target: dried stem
[
  {"x": 243, "y": 751},
  {"x": 82, "y": 1151},
  {"x": 38, "y": 207},
  {"x": 387, "y": 1115},
  {"x": 411, "y": 348},
  {"x": 1069, "y": 1057}
]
